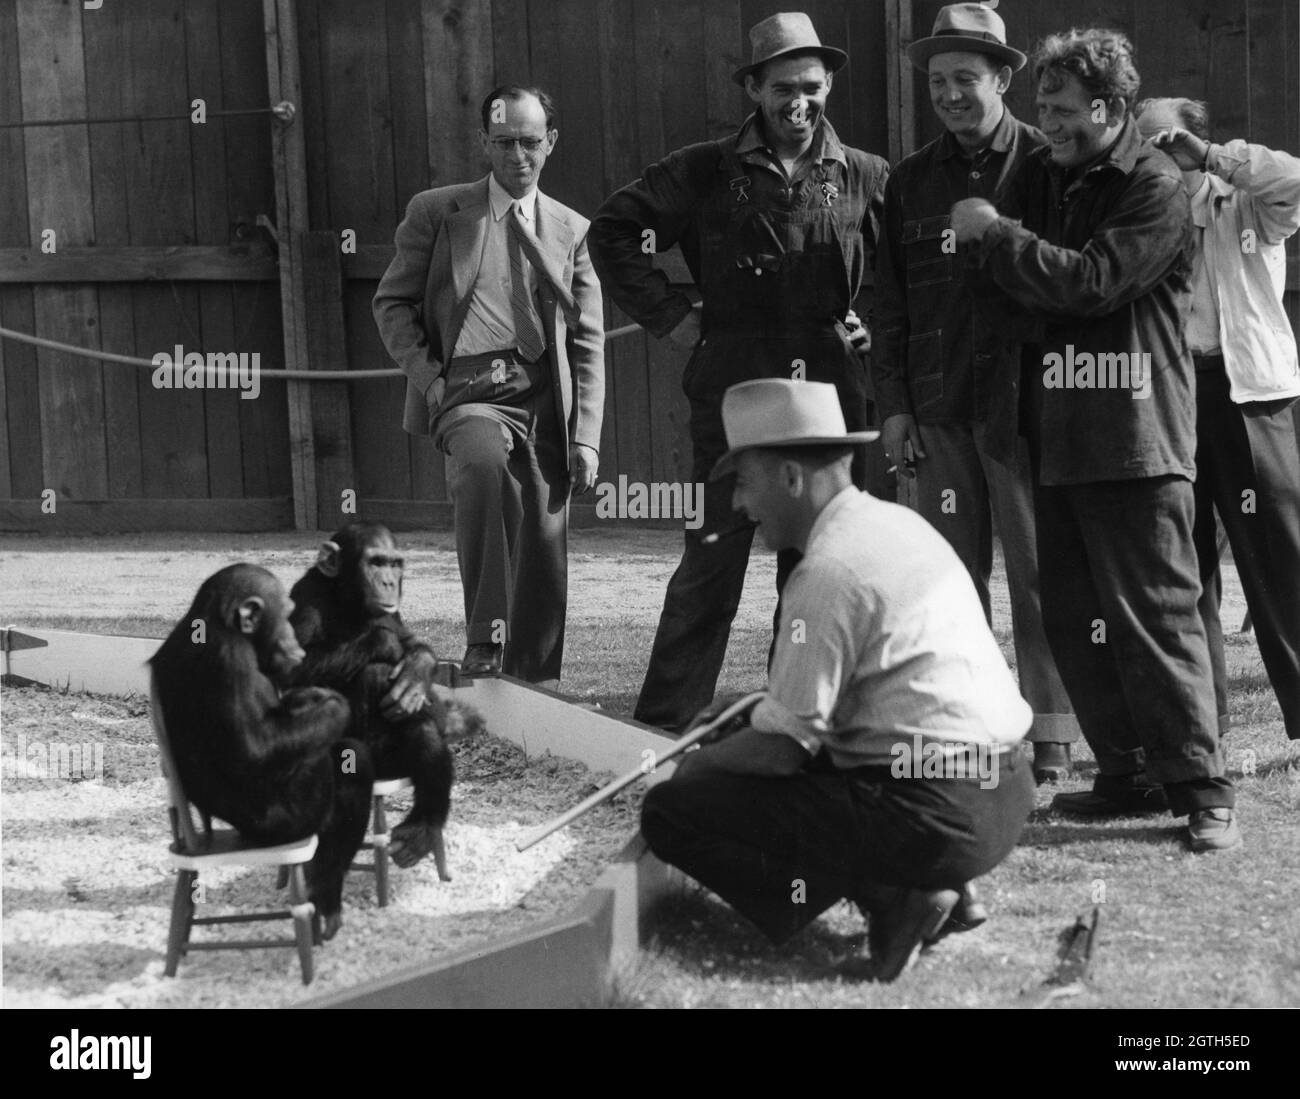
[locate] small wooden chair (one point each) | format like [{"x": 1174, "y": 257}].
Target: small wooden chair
[
  {"x": 192, "y": 853},
  {"x": 378, "y": 837}
]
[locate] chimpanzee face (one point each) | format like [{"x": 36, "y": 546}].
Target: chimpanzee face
[
  {"x": 380, "y": 570},
  {"x": 262, "y": 616}
]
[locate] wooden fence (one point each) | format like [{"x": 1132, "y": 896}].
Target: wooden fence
[{"x": 225, "y": 235}]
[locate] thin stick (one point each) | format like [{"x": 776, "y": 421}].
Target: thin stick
[{"x": 687, "y": 740}]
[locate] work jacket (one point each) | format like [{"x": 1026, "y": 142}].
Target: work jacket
[
  {"x": 933, "y": 356},
  {"x": 1092, "y": 271},
  {"x": 1254, "y": 206},
  {"x": 777, "y": 261}
]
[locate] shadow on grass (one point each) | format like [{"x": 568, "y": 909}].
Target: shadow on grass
[{"x": 707, "y": 938}]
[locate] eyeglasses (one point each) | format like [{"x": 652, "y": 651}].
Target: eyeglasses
[{"x": 507, "y": 144}]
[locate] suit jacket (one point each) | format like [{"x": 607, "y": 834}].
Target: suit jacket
[{"x": 425, "y": 293}]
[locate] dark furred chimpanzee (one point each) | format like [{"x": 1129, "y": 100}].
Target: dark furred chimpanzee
[
  {"x": 347, "y": 617},
  {"x": 276, "y": 764}
]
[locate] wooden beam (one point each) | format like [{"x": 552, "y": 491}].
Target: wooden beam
[
  {"x": 327, "y": 349},
  {"x": 199, "y": 263},
  {"x": 902, "y": 100},
  {"x": 292, "y": 219},
  {"x": 109, "y": 516}
]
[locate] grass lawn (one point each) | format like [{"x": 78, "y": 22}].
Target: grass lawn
[{"x": 1177, "y": 930}]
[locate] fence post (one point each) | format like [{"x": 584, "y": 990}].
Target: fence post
[{"x": 289, "y": 158}]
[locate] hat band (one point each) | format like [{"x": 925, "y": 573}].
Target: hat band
[{"x": 987, "y": 36}]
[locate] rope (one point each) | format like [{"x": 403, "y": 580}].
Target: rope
[
  {"x": 280, "y": 110},
  {"x": 288, "y": 375}
]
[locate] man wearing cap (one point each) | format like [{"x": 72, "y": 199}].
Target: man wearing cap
[
  {"x": 777, "y": 224},
  {"x": 857, "y": 775},
  {"x": 935, "y": 361},
  {"x": 493, "y": 311},
  {"x": 1092, "y": 263}
]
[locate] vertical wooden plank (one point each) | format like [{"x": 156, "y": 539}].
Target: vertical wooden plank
[
  {"x": 670, "y": 112},
  {"x": 411, "y": 173},
  {"x": 106, "y": 94},
  {"x": 327, "y": 350},
  {"x": 511, "y": 52},
  {"x": 211, "y": 226},
  {"x": 726, "y": 48},
  {"x": 312, "y": 109},
  {"x": 625, "y": 432},
  {"x": 159, "y": 198},
  {"x": 458, "y": 72},
  {"x": 20, "y": 420},
  {"x": 360, "y": 160},
  {"x": 867, "y": 91},
  {"x": 250, "y": 191},
  {"x": 22, "y": 396},
  {"x": 53, "y": 83},
  {"x": 289, "y": 155},
  {"x": 6, "y": 476}
]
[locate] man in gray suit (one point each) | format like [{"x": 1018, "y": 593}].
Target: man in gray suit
[{"x": 493, "y": 311}]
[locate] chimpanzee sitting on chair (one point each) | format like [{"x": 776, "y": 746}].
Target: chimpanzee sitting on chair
[
  {"x": 275, "y": 765},
  {"x": 347, "y": 617}
]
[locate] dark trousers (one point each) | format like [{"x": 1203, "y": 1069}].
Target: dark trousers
[
  {"x": 510, "y": 494},
  {"x": 782, "y": 850},
  {"x": 1248, "y": 468},
  {"x": 962, "y": 490},
  {"x": 1119, "y": 583},
  {"x": 704, "y": 592}
]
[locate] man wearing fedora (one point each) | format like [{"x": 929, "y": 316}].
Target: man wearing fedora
[
  {"x": 777, "y": 224},
  {"x": 935, "y": 361},
  {"x": 1091, "y": 261},
  {"x": 883, "y": 658}
]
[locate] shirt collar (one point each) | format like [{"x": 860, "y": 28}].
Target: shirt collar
[
  {"x": 825, "y": 143},
  {"x": 834, "y": 506},
  {"x": 501, "y": 199},
  {"x": 1003, "y": 138}
]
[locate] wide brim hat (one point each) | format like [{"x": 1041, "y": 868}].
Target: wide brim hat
[
  {"x": 774, "y": 412},
  {"x": 783, "y": 33},
  {"x": 967, "y": 28}
]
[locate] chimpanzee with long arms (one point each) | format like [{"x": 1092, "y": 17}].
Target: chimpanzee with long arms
[{"x": 347, "y": 616}]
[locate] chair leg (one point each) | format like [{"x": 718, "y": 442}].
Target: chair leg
[
  {"x": 306, "y": 925},
  {"x": 178, "y": 934},
  {"x": 380, "y": 846}
]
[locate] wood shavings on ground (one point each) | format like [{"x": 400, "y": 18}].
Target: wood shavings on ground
[{"x": 87, "y": 892}]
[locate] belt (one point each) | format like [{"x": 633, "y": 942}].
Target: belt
[
  {"x": 485, "y": 358},
  {"x": 1212, "y": 361}
]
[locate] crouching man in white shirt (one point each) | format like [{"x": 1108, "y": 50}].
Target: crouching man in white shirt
[{"x": 883, "y": 765}]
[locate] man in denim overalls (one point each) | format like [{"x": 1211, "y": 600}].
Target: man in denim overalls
[{"x": 777, "y": 224}]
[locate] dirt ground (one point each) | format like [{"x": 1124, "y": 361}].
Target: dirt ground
[{"x": 87, "y": 891}]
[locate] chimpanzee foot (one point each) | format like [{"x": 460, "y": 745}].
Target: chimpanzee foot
[
  {"x": 330, "y": 925},
  {"x": 412, "y": 840}
]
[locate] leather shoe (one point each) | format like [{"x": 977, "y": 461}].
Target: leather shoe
[
  {"x": 1114, "y": 796},
  {"x": 481, "y": 660},
  {"x": 1051, "y": 761},
  {"x": 967, "y": 914},
  {"x": 1213, "y": 830},
  {"x": 900, "y": 920}
]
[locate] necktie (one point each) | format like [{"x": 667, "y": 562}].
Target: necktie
[
  {"x": 528, "y": 337},
  {"x": 545, "y": 267}
]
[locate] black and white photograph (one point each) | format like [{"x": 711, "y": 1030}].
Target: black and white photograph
[{"x": 651, "y": 504}]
